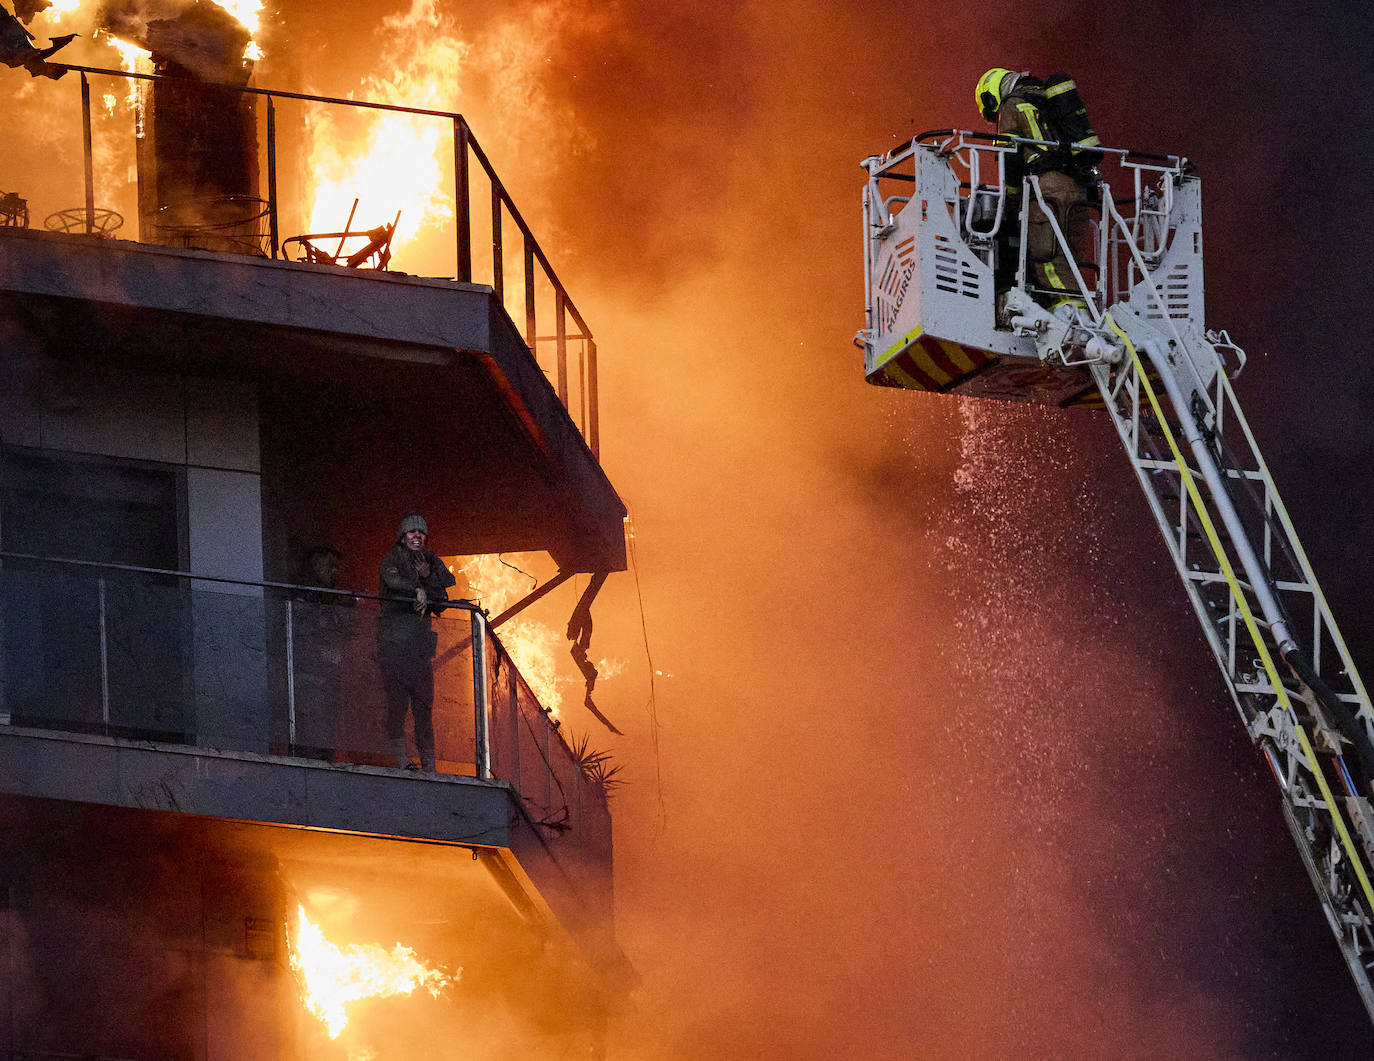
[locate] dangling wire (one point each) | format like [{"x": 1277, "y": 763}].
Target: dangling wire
[
  {"x": 653, "y": 689},
  {"x": 506, "y": 563}
]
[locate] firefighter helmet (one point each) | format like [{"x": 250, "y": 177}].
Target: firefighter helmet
[{"x": 988, "y": 95}]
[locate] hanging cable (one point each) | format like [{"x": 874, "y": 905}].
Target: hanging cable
[{"x": 653, "y": 688}]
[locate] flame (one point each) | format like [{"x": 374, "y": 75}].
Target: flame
[
  {"x": 131, "y": 58},
  {"x": 248, "y": 13},
  {"x": 392, "y": 162},
  {"x": 130, "y": 55},
  {"x": 498, "y": 76},
  {"x": 333, "y": 976},
  {"x": 532, "y": 645},
  {"x": 59, "y": 8}
]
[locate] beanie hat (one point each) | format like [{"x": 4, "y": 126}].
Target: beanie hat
[{"x": 410, "y": 522}]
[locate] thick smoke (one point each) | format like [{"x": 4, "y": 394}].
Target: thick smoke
[{"x": 945, "y": 769}]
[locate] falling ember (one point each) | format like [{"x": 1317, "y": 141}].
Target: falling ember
[{"x": 333, "y": 976}]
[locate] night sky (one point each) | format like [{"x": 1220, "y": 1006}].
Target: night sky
[{"x": 946, "y": 769}]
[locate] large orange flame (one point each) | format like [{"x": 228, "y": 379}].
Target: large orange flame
[
  {"x": 392, "y": 162},
  {"x": 333, "y": 976}
]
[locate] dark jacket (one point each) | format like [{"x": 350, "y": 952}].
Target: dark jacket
[
  {"x": 400, "y": 625},
  {"x": 1026, "y": 112}
]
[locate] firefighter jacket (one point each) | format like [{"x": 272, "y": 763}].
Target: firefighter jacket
[
  {"x": 1020, "y": 116},
  {"x": 1066, "y": 195}
]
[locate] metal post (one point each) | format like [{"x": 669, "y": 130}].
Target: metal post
[
  {"x": 513, "y": 689},
  {"x": 272, "y": 175},
  {"x": 594, "y": 418},
  {"x": 582, "y": 387},
  {"x": 290, "y": 679},
  {"x": 498, "y": 277},
  {"x": 86, "y": 146},
  {"x": 579, "y": 788},
  {"x": 561, "y": 330},
  {"x": 460, "y": 193},
  {"x": 104, "y": 660},
  {"x": 548, "y": 760},
  {"x": 530, "y": 333},
  {"x": 481, "y": 697}
]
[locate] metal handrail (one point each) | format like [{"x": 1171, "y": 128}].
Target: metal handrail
[
  {"x": 481, "y": 631},
  {"x": 463, "y": 143},
  {"x": 6, "y": 554},
  {"x": 961, "y": 137}
]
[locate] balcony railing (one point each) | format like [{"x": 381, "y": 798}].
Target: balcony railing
[
  {"x": 272, "y": 669},
  {"x": 491, "y": 241}
]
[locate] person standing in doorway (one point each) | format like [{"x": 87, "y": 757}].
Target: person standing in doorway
[{"x": 413, "y": 583}]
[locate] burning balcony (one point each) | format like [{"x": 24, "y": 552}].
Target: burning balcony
[
  {"x": 185, "y": 415},
  {"x": 163, "y": 935},
  {"x": 206, "y": 290},
  {"x": 262, "y": 703},
  {"x": 152, "y": 689}
]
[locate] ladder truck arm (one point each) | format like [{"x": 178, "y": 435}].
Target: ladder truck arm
[{"x": 951, "y": 307}]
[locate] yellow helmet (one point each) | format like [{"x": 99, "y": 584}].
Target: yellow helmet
[{"x": 988, "y": 95}]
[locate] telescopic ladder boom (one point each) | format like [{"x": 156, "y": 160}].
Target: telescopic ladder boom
[{"x": 950, "y": 308}]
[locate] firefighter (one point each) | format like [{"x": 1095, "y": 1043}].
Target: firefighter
[{"x": 1026, "y": 107}]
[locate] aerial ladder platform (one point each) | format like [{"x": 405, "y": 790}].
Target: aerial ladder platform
[{"x": 952, "y": 308}]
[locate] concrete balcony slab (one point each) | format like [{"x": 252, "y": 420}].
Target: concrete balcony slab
[{"x": 421, "y": 390}]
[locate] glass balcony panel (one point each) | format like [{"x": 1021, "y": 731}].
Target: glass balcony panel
[
  {"x": 234, "y": 667},
  {"x": 50, "y": 666}
]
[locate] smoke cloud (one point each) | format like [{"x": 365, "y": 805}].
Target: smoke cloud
[{"x": 945, "y": 770}]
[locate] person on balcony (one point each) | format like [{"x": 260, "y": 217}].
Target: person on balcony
[
  {"x": 413, "y": 583},
  {"x": 323, "y": 629},
  {"x": 1023, "y": 106}
]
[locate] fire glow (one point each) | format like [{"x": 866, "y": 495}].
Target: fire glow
[
  {"x": 333, "y": 976},
  {"x": 392, "y": 162},
  {"x": 533, "y": 646},
  {"x": 248, "y": 14}
]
